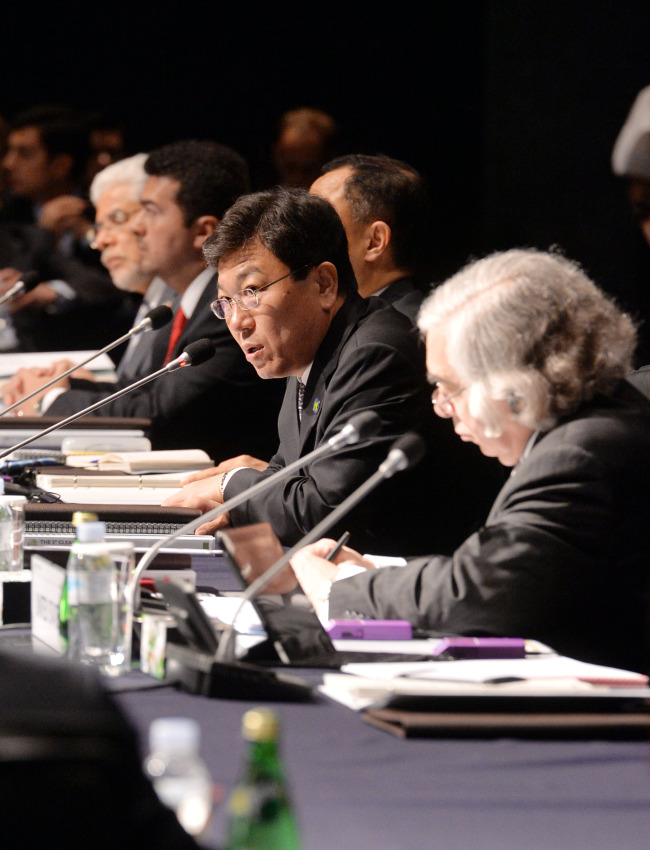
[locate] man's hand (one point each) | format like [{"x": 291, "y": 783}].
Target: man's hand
[
  {"x": 65, "y": 214},
  {"x": 316, "y": 575},
  {"x": 8, "y": 277},
  {"x": 211, "y": 526},
  {"x": 203, "y": 494},
  {"x": 26, "y": 381},
  {"x": 226, "y": 466},
  {"x": 40, "y": 297}
]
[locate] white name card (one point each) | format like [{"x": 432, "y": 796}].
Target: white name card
[{"x": 47, "y": 584}]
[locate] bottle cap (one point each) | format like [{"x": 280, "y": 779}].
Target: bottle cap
[
  {"x": 83, "y": 516},
  {"x": 91, "y": 532},
  {"x": 260, "y": 724},
  {"x": 174, "y": 735}
]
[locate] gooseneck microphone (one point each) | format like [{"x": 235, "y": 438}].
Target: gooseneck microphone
[
  {"x": 193, "y": 355},
  {"x": 27, "y": 282},
  {"x": 406, "y": 451},
  {"x": 156, "y": 318},
  {"x": 358, "y": 428}
]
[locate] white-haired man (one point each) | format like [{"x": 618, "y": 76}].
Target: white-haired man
[
  {"x": 115, "y": 194},
  {"x": 528, "y": 359}
]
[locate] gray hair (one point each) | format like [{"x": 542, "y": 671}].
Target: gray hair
[
  {"x": 532, "y": 329},
  {"x": 124, "y": 172}
]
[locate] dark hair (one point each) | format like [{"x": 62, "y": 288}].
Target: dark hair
[
  {"x": 211, "y": 176},
  {"x": 300, "y": 229},
  {"x": 62, "y": 129},
  {"x": 385, "y": 189}
]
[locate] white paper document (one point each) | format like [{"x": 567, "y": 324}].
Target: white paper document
[
  {"x": 10, "y": 363},
  {"x": 359, "y": 685}
]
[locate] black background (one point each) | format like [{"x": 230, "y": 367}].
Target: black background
[{"x": 510, "y": 108}]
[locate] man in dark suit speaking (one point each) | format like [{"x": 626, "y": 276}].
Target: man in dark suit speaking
[
  {"x": 528, "y": 359},
  {"x": 289, "y": 297}
]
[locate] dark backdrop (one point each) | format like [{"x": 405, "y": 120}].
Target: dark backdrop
[{"x": 509, "y": 107}]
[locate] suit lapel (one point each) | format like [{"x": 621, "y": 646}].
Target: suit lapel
[{"x": 325, "y": 363}]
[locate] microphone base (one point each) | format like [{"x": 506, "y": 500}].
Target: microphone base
[{"x": 200, "y": 673}]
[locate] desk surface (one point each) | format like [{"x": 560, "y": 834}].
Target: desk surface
[{"x": 356, "y": 786}]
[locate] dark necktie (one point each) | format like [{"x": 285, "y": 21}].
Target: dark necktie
[{"x": 301, "y": 398}]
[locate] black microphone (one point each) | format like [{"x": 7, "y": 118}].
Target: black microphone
[
  {"x": 194, "y": 354},
  {"x": 406, "y": 451},
  {"x": 155, "y": 319},
  {"x": 27, "y": 282},
  {"x": 358, "y": 428}
]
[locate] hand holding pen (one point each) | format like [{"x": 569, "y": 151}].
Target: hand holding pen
[{"x": 340, "y": 543}]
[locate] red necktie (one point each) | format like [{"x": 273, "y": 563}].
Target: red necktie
[{"x": 177, "y": 328}]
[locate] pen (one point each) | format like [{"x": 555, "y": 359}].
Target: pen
[{"x": 340, "y": 543}]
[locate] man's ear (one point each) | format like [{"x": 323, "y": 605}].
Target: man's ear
[
  {"x": 378, "y": 237},
  {"x": 203, "y": 227},
  {"x": 328, "y": 283}
]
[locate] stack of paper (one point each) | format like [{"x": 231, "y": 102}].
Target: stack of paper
[{"x": 543, "y": 676}]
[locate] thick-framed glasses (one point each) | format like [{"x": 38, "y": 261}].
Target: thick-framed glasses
[
  {"x": 444, "y": 405},
  {"x": 114, "y": 221},
  {"x": 245, "y": 299}
]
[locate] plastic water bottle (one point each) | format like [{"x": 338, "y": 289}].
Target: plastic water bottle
[
  {"x": 78, "y": 517},
  {"x": 178, "y": 773},
  {"x": 12, "y": 514},
  {"x": 260, "y": 813},
  {"x": 90, "y": 578},
  {"x": 6, "y": 534}
]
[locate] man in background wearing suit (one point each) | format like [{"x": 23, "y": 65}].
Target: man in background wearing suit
[
  {"x": 220, "y": 406},
  {"x": 115, "y": 193},
  {"x": 528, "y": 358},
  {"x": 289, "y": 297},
  {"x": 385, "y": 209}
]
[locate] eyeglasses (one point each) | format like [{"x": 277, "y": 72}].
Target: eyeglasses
[
  {"x": 247, "y": 298},
  {"x": 444, "y": 406},
  {"x": 114, "y": 221}
]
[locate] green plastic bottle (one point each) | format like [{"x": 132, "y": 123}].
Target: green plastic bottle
[
  {"x": 64, "y": 603},
  {"x": 260, "y": 813}
]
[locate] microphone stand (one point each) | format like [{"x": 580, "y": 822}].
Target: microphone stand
[
  {"x": 347, "y": 435},
  {"x": 139, "y": 328},
  {"x": 170, "y": 367},
  {"x": 26, "y": 283},
  {"x": 397, "y": 460}
]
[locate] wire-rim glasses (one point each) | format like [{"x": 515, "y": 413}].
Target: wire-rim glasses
[{"x": 246, "y": 299}]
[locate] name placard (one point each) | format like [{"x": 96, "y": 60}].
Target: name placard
[{"x": 47, "y": 584}]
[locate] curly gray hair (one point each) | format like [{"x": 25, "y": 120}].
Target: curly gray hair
[{"x": 530, "y": 328}]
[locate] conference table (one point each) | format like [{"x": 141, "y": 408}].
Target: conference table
[
  {"x": 356, "y": 786},
  {"x": 359, "y": 787}
]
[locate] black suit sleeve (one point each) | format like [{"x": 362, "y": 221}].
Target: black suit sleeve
[
  {"x": 562, "y": 558},
  {"x": 370, "y": 377}
]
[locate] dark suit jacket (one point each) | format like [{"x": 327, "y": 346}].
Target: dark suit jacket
[
  {"x": 70, "y": 772},
  {"x": 371, "y": 359},
  {"x": 97, "y": 315},
  {"x": 405, "y": 296},
  {"x": 221, "y": 406},
  {"x": 563, "y": 556}
]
